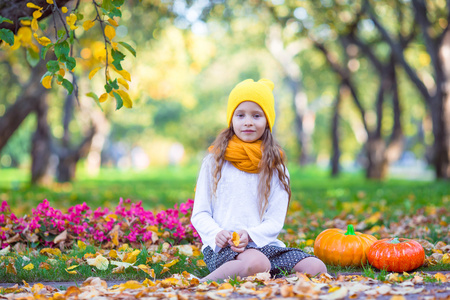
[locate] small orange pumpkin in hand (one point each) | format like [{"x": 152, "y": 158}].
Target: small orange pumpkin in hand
[
  {"x": 396, "y": 255},
  {"x": 336, "y": 247}
]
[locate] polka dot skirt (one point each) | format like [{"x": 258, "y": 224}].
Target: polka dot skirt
[{"x": 281, "y": 259}]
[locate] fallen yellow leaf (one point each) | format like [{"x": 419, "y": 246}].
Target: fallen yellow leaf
[
  {"x": 225, "y": 286},
  {"x": 45, "y": 265},
  {"x": 29, "y": 267},
  {"x": 334, "y": 288},
  {"x": 11, "y": 269},
  {"x": 118, "y": 270},
  {"x": 125, "y": 246},
  {"x": 51, "y": 251},
  {"x": 81, "y": 245},
  {"x": 235, "y": 239},
  {"x": 148, "y": 283},
  {"x": 441, "y": 277},
  {"x": 446, "y": 258},
  {"x": 131, "y": 257},
  {"x": 100, "y": 262},
  {"x": 201, "y": 263},
  {"x": 147, "y": 270},
  {"x": 171, "y": 263},
  {"x": 113, "y": 253},
  {"x": 132, "y": 284}
]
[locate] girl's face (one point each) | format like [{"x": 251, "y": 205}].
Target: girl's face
[{"x": 249, "y": 121}]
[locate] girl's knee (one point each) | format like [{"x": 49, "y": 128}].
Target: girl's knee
[
  {"x": 311, "y": 265},
  {"x": 256, "y": 262},
  {"x": 256, "y": 265}
]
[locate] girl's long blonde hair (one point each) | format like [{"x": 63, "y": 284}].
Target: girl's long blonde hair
[{"x": 272, "y": 160}]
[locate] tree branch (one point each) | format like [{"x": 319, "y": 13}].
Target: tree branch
[
  {"x": 14, "y": 10},
  {"x": 421, "y": 17},
  {"x": 345, "y": 77},
  {"x": 398, "y": 52}
]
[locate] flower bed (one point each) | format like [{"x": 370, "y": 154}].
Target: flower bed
[{"x": 127, "y": 223}]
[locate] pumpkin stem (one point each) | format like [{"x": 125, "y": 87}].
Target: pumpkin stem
[
  {"x": 395, "y": 241},
  {"x": 350, "y": 230}
]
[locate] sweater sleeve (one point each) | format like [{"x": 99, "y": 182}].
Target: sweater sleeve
[
  {"x": 273, "y": 219},
  {"x": 202, "y": 213}
]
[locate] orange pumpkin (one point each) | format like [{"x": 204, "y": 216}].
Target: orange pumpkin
[
  {"x": 336, "y": 247},
  {"x": 397, "y": 255}
]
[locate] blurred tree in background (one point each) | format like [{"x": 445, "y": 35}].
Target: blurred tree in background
[{"x": 357, "y": 83}]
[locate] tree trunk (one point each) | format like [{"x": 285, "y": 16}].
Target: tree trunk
[
  {"x": 27, "y": 102},
  {"x": 41, "y": 146},
  {"x": 377, "y": 167},
  {"x": 440, "y": 111},
  {"x": 304, "y": 118},
  {"x": 69, "y": 158},
  {"x": 335, "y": 169}
]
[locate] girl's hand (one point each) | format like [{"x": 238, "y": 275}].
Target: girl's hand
[
  {"x": 222, "y": 238},
  {"x": 243, "y": 241}
]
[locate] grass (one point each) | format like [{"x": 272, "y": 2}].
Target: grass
[
  {"x": 161, "y": 187},
  {"x": 314, "y": 193},
  {"x": 58, "y": 264}
]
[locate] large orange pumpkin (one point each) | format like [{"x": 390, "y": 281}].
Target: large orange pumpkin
[
  {"x": 343, "y": 248},
  {"x": 396, "y": 255}
]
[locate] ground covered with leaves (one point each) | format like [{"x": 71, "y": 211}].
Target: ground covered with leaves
[
  {"x": 260, "y": 286},
  {"x": 155, "y": 253}
]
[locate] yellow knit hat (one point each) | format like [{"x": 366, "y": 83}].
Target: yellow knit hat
[{"x": 259, "y": 92}]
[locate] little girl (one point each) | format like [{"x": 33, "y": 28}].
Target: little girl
[{"x": 243, "y": 187}]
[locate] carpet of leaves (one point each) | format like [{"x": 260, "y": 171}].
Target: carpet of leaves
[
  {"x": 169, "y": 237},
  {"x": 260, "y": 286}
]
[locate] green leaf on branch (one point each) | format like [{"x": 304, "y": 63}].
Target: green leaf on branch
[
  {"x": 53, "y": 66},
  {"x": 71, "y": 37},
  {"x": 45, "y": 49},
  {"x": 107, "y": 5},
  {"x": 68, "y": 85},
  {"x": 114, "y": 84},
  {"x": 115, "y": 13},
  {"x": 117, "y": 3},
  {"x": 62, "y": 58},
  {"x": 108, "y": 88},
  {"x": 2, "y": 19},
  {"x": 62, "y": 49},
  {"x": 61, "y": 34},
  {"x": 32, "y": 57},
  {"x": 80, "y": 16},
  {"x": 7, "y": 36},
  {"x": 119, "y": 101},
  {"x": 71, "y": 63},
  {"x": 95, "y": 97},
  {"x": 129, "y": 48},
  {"x": 117, "y": 59},
  {"x": 65, "y": 83}
]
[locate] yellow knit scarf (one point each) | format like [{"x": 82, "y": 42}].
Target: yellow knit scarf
[{"x": 244, "y": 156}]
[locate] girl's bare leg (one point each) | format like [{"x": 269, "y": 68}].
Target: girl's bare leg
[
  {"x": 247, "y": 263},
  {"x": 310, "y": 265}
]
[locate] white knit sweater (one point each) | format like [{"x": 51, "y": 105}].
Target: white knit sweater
[{"x": 236, "y": 206}]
